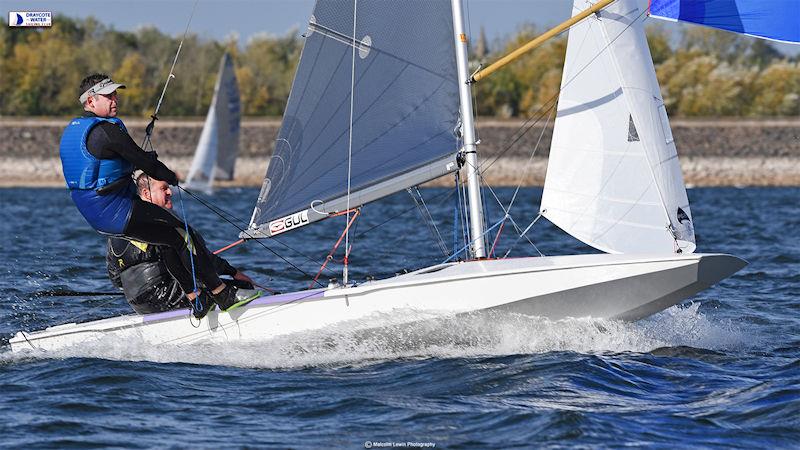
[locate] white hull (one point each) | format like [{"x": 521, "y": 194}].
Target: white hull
[{"x": 627, "y": 287}]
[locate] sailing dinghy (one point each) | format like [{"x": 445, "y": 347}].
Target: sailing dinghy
[
  {"x": 381, "y": 103},
  {"x": 215, "y": 156}
]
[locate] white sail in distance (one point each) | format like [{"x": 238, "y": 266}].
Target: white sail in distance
[
  {"x": 613, "y": 178},
  {"x": 215, "y": 156}
]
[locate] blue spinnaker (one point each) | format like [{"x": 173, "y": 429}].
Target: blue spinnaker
[{"x": 777, "y": 20}]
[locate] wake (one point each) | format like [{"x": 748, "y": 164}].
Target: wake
[{"x": 414, "y": 334}]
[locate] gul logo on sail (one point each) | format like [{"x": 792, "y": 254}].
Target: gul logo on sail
[
  {"x": 289, "y": 222},
  {"x": 30, "y": 19}
]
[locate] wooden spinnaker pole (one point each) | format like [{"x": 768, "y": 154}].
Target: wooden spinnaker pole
[{"x": 483, "y": 73}]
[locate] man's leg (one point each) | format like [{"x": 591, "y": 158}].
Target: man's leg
[
  {"x": 155, "y": 225},
  {"x": 175, "y": 268}
]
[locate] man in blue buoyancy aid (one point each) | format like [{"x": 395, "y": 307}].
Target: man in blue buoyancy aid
[{"x": 98, "y": 157}]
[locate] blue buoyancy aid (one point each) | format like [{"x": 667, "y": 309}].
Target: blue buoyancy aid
[
  {"x": 108, "y": 214},
  {"x": 82, "y": 170}
]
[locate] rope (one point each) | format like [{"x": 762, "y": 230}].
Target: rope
[
  {"x": 150, "y": 126},
  {"x": 445, "y": 194},
  {"x": 209, "y": 206},
  {"x": 464, "y": 214},
  {"x": 428, "y": 218},
  {"x": 350, "y": 143},
  {"x": 551, "y": 102},
  {"x": 528, "y": 163},
  {"x": 86, "y": 313},
  {"x": 456, "y": 214},
  {"x": 198, "y": 305},
  {"x": 523, "y": 234},
  {"x": 496, "y": 238},
  {"x": 229, "y": 246},
  {"x": 511, "y": 219},
  {"x": 464, "y": 248},
  {"x": 335, "y": 246}
]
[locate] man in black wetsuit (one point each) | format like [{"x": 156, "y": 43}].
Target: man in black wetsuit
[
  {"x": 152, "y": 277},
  {"x": 98, "y": 157}
]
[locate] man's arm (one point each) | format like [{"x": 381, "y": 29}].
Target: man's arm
[{"x": 107, "y": 140}]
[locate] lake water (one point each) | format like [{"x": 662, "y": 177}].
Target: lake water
[{"x": 722, "y": 369}]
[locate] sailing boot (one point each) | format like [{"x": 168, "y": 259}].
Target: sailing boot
[
  {"x": 202, "y": 304},
  {"x": 226, "y": 297},
  {"x": 232, "y": 297}
]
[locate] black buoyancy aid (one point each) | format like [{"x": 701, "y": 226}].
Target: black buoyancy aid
[{"x": 138, "y": 269}]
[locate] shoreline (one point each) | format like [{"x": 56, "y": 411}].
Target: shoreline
[
  {"x": 510, "y": 171},
  {"x": 712, "y": 151}
]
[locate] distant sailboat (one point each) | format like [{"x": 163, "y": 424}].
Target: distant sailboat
[
  {"x": 380, "y": 102},
  {"x": 215, "y": 156}
]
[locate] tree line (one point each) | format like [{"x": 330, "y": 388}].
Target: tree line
[{"x": 703, "y": 73}]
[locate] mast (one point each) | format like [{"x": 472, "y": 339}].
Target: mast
[{"x": 477, "y": 243}]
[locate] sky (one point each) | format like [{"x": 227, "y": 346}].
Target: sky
[{"x": 218, "y": 19}]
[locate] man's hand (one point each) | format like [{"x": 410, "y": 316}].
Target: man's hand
[{"x": 242, "y": 277}]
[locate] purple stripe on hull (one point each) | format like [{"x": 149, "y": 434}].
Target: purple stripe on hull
[{"x": 289, "y": 297}]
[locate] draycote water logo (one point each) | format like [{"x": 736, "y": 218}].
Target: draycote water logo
[{"x": 30, "y": 19}]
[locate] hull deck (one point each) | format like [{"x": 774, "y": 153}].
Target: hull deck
[{"x": 622, "y": 287}]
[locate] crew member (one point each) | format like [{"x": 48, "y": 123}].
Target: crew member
[
  {"x": 98, "y": 157},
  {"x": 151, "y": 276}
]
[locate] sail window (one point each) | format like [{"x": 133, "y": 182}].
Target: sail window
[
  {"x": 633, "y": 135},
  {"x": 662, "y": 113}
]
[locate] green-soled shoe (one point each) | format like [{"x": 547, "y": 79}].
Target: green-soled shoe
[{"x": 243, "y": 297}]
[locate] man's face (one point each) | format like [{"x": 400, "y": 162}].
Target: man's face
[
  {"x": 104, "y": 105},
  {"x": 159, "y": 194}
]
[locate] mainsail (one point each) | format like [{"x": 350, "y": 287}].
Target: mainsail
[
  {"x": 400, "y": 69},
  {"x": 613, "y": 178},
  {"x": 777, "y": 20},
  {"x": 215, "y": 156}
]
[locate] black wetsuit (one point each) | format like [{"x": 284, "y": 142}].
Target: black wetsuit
[
  {"x": 148, "y": 222},
  {"x": 108, "y": 141},
  {"x": 152, "y": 277}
]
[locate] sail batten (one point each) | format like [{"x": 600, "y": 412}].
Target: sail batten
[
  {"x": 613, "y": 179},
  {"x": 405, "y": 105}
]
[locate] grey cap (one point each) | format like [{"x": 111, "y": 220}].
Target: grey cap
[{"x": 105, "y": 86}]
